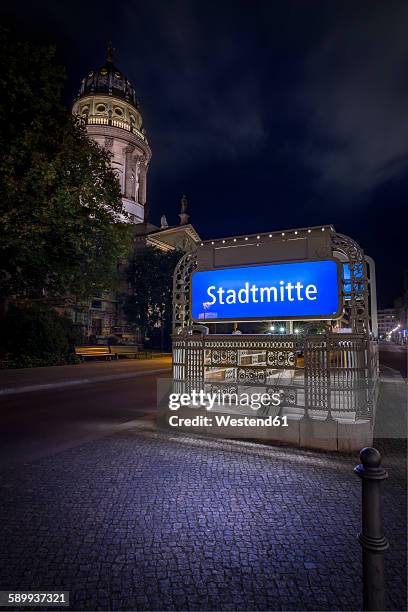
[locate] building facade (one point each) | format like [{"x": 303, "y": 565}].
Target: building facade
[
  {"x": 107, "y": 105},
  {"x": 387, "y": 320}
]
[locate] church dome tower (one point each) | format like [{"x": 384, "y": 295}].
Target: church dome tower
[{"x": 107, "y": 104}]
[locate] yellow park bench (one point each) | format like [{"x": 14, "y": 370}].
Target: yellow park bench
[
  {"x": 115, "y": 352},
  {"x": 93, "y": 351},
  {"x": 120, "y": 349},
  {"x": 108, "y": 352}
]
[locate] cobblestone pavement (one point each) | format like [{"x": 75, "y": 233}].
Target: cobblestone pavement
[{"x": 144, "y": 521}]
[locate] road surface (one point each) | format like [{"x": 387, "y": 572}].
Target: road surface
[
  {"x": 394, "y": 356},
  {"x": 46, "y": 410},
  {"x": 141, "y": 520}
]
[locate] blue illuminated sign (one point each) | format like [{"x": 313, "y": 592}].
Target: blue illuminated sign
[{"x": 299, "y": 290}]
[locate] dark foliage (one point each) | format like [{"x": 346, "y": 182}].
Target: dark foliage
[
  {"x": 37, "y": 335},
  {"x": 149, "y": 302},
  {"x": 59, "y": 198}
]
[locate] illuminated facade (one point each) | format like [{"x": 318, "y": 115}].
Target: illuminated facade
[
  {"x": 107, "y": 104},
  {"x": 387, "y": 321},
  {"x": 326, "y": 379}
]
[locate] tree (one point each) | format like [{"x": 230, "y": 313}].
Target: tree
[
  {"x": 59, "y": 198},
  {"x": 148, "y": 303}
]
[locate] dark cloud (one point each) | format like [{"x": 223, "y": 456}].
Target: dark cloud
[
  {"x": 214, "y": 107},
  {"x": 355, "y": 98}
]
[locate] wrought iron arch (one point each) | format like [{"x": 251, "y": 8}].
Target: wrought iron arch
[
  {"x": 182, "y": 321},
  {"x": 357, "y": 286}
]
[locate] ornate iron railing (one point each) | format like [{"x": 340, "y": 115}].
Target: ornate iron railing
[{"x": 328, "y": 372}]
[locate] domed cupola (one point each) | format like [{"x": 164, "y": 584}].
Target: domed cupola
[
  {"x": 108, "y": 80},
  {"x": 107, "y": 97}
]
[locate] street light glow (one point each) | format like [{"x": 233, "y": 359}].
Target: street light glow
[{"x": 395, "y": 329}]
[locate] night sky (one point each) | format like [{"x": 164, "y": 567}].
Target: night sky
[{"x": 268, "y": 115}]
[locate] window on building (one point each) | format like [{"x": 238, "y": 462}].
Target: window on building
[{"x": 97, "y": 327}]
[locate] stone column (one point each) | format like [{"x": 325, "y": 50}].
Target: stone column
[
  {"x": 142, "y": 182},
  {"x": 142, "y": 188},
  {"x": 130, "y": 168},
  {"x": 137, "y": 180}
]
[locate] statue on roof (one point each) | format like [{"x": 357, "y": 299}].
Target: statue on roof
[
  {"x": 184, "y": 204},
  {"x": 183, "y": 211}
]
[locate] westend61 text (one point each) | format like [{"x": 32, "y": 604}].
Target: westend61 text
[
  {"x": 228, "y": 421},
  {"x": 205, "y": 400}
]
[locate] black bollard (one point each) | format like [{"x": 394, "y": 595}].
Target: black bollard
[{"x": 371, "y": 538}]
